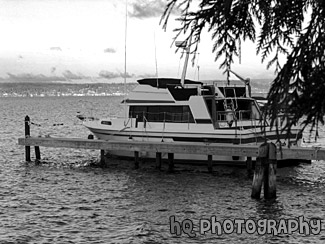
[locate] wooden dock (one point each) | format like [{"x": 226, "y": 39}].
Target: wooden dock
[
  {"x": 266, "y": 154},
  {"x": 304, "y": 153}
]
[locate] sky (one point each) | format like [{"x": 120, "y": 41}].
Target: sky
[{"x": 78, "y": 40}]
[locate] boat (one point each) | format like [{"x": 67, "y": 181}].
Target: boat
[
  {"x": 173, "y": 110},
  {"x": 164, "y": 110}
]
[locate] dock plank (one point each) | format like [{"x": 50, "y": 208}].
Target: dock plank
[{"x": 166, "y": 147}]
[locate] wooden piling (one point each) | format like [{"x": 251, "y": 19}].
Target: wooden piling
[
  {"x": 210, "y": 163},
  {"x": 27, "y": 134},
  {"x": 37, "y": 153},
  {"x": 170, "y": 162},
  {"x": 249, "y": 166},
  {"x": 136, "y": 159},
  {"x": 102, "y": 157},
  {"x": 270, "y": 173},
  {"x": 259, "y": 171},
  {"x": 258, "y": 179},
  {"x": 158, "y": 160},
  {"x": 265, "y": 172}
]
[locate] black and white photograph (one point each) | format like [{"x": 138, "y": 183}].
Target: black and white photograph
[{"x": 162, "y": 121}]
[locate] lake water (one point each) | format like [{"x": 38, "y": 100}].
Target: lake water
[{"x": 66, "y": 200}]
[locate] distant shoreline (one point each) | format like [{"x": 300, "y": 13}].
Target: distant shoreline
[
  {"x": 38, "y": 89},
  {"x": 60, "y": 89}
]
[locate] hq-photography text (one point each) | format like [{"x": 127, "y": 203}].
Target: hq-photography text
[{"x": 240, "y": 226}]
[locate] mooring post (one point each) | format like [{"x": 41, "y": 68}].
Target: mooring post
[
  {"x": 158, "y": 160},
  {"x": 37, "y": 153},
  {"x": 249, "y": 166},
  {"x": 27, "y": 134},
  {"x": 136, "y": 159},
  {"x": 270, "y": 173},
  {"x": 170, "y": 162},
  {"x": 259, "y": 170},
  {"x": 210, "y": 163},
  {"x": 102, "y": 157}
]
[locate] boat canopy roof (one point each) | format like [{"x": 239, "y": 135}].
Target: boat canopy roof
[{"x": 164, "y": 82}]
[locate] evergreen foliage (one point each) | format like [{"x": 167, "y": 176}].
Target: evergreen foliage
[{"x": 276, "y": 26}]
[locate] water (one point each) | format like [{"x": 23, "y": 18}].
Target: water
[{"x": 66, "y": 200}]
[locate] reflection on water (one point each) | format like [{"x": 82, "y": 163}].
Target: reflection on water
[
  {"x": 64, "y": 200},
  {"x": 269, "y": 209}
]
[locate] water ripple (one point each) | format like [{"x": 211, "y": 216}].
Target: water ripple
[{"x": 64, "y": 199}]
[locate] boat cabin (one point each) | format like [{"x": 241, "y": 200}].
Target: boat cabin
[{"x": 166, "y": 100}]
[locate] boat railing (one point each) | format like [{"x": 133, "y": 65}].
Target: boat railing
[
  {"x": 241, "y": 115},
  {"x": 236, "y": 118},
  {"x": 163, "y": 117}
]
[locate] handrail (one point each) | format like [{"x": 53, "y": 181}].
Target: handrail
[
  {"x": 221, "y": 115},
  {"x": 174, "y": 117}
]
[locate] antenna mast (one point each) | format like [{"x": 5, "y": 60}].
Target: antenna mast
[
  {"x": 154, "y": 35},
  {"x": 126, "y": 25},
  {"x": 187, "y": 50}
]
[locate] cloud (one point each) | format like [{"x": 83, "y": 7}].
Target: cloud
[
  {"x": 111, "y": 75},
  {"x": 142, "y": 9},
  {"x": 55, "y": 49},
  {"x": 67, "y": 75},
  {"x": 53, "y": 69},
  {"x": 30, "y": 77},
  {"x": 108, "y": 75},
  {"x": 109, "y": 50},
  {"x": 127, "y": 75},
  {"x": 71, "y": 76}
]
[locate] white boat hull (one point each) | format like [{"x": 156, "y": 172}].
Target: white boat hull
[{"x": 197, "y": 135}]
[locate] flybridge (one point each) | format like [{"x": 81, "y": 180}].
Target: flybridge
[
  {"x": 178, "y": 91},
  {"x": 193, "y": 88},
  {"x": 165, "y": 82}
]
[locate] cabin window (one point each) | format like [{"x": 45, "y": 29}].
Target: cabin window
[
  {"x": 172, "y": 114},
  {"x": 138, "y": 112},
  {"x": 104, "y": 122},
  {"x": 209, "y": 105}
]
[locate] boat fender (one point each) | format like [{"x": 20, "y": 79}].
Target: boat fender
[{"x": 229, "y": 117}]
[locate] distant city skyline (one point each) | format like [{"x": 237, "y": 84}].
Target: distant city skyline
[{"x": 46, "y": 40}]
